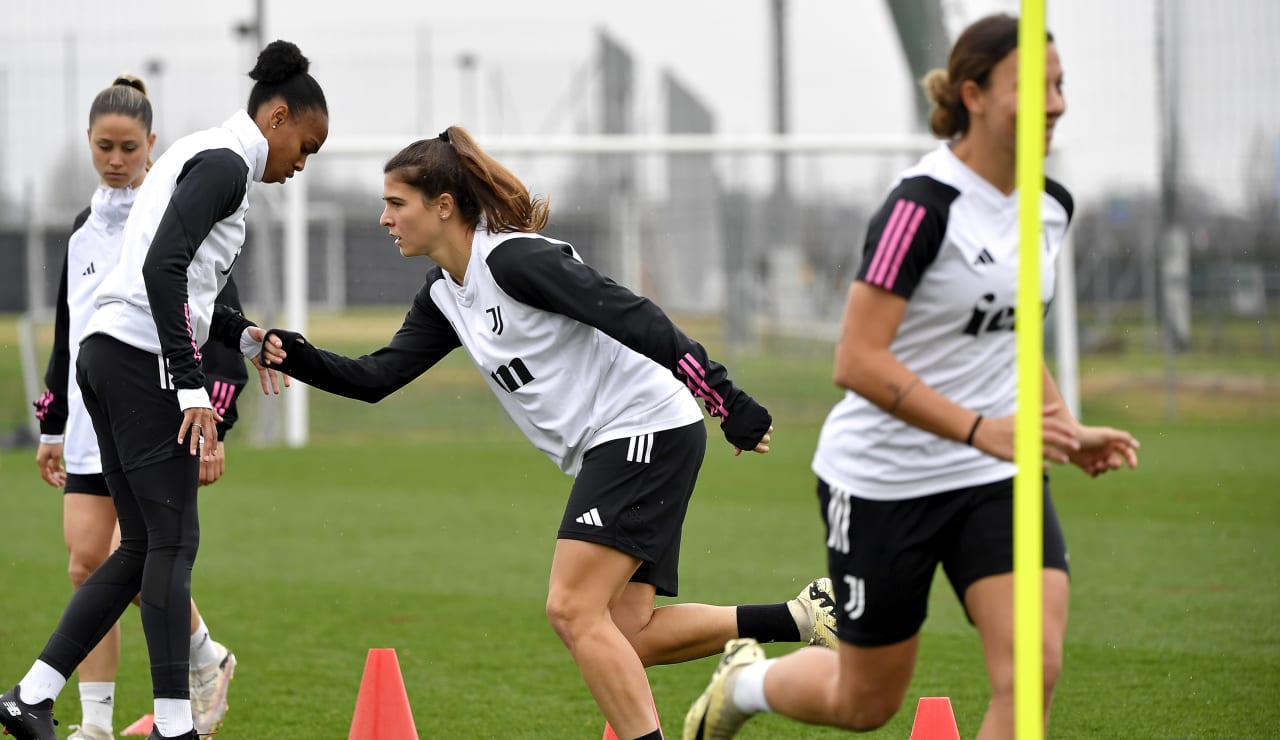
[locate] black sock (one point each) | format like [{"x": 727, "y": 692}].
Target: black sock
[
  {"x": 767, "y": 623},
  {"x": 655, "y": 735}
]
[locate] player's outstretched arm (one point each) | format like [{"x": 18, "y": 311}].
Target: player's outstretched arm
[{"x": 423, "y": 339}]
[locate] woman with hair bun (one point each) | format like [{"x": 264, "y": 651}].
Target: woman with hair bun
[
  {"x": 120, "y": 141},
  {"x": 141, "y": 377},
  {"x": 914, "y": 464}
]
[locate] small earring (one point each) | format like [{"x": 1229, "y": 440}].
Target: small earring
[{"x": 273, "y": 125}]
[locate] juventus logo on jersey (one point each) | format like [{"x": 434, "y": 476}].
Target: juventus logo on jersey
[
  {"x": 495, "y": 313},
  {"x": 857, "y": 602},
  {"x": 88, "y": 270},
  {"x": 512, "y": 375}
]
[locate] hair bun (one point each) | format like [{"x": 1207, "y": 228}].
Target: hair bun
[
  {"x": 130, "y": 81},
  {"x": 278, "y": 62}
]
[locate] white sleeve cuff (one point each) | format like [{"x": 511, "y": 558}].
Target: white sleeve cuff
[
  {"x": 50, "y": 439},
  {"x": 193, "y": 398},
  {"x": 249, "y": 347}
]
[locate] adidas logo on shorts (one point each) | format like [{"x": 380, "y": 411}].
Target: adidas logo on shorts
[{"x": 591, "y": 517}]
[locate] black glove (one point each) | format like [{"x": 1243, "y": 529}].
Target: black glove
[
  {"x": 747, "y": 423},
  {"x": 287, "y": 338}
]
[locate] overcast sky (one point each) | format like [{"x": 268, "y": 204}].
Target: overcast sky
[{"x": 391, "y": 68}]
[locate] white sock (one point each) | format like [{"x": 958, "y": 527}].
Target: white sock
[
  {"x": 173, "y": 717},
  {"x": 97, "y": 700},
  {"x": 748, "y": 687},
  {"x": 41, "y": 682},
  {"x": 202, "y": 653}
]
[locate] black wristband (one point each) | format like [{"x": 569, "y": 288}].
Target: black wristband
[{"x": 973, "y": 430}]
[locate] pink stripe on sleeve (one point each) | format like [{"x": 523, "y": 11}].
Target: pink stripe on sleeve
[
  {"x": 901, "y": 256},
  {"x": 892, "y": 246},
  {"x": 191, "y": 333},
  {"x": 885, "y": 238},
  {"x": 220, "y": 396},
  {"x": 695, "y": 376}
]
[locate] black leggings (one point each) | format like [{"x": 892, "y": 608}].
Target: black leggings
[
  {"x": 159, "y": 536},
  {"x": 153, "y": 481}
]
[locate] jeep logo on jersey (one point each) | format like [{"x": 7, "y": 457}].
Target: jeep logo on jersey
[
  {"x": 495, "y": 313},
  {"x": 986, "y": 317},
  {"x": 512, "y": 375}
]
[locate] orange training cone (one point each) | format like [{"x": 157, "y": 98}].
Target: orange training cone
[
  {"x": 609, "y": 734},
  {"x": 142, "y": 726},
  {"x": 934, "y": 720},
  {"x": 382, "y": 707}
]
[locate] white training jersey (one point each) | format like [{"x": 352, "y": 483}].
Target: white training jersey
[
  {"x": 575, "y": 359},
  {"x": 92, "y": 250},
  {"x": 181, "y": 240},
  {"x": 947, "y": 241}
]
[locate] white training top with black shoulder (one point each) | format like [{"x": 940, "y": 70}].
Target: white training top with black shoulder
[{"x": 947, "y": 241}]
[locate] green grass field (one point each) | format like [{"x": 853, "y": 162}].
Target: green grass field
[{"x": 426, "y": 524}]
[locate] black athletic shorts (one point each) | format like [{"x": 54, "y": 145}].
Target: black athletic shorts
[
  {"x": 136, "y": 417},
  {"x": 632, "y": 494},
  {"x": 93, "y": 484},
  {"x": 882, "y": 555}
]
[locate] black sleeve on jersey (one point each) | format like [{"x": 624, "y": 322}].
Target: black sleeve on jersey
[
  {"x": 1059, "y": 193},
  {"x": 51, "y": 408},
  {"x": 546, "y": 276},
  {"x": 210, "y": 187},
  {"x": 228, "y": 321},
  {"x": 905, "y": 234},
  {"x": 422, "y": 340},
  {"x": 225, "y": 374}
]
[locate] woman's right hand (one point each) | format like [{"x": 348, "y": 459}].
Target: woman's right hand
[
  {"x": 995, "y": 436},
  {"x": 200, "y": 430},
  {"x": 49, "y": 459}
]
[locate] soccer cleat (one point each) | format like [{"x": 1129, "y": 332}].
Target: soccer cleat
[
  {"x": 818, "y": 602},
  {"x": 24, "y": 721},
  {"x": 89, "y": 732},
  {"x": 155, "y": 735},
  {"x": 713, "y": 716},
  {"x": 209, "y": 691}
]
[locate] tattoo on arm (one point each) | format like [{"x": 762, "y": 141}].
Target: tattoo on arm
[{"x": 899, "y": 394}]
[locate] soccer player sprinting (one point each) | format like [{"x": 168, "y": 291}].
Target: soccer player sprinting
[
  {"x": 914, "y": 463},
  {"x": 601, "y": 381}
]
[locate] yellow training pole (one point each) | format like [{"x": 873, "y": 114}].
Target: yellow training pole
[{"x": 1028, "y": 506}]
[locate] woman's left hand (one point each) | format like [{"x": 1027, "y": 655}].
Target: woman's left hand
[
  {"x": 762, "y": 447},
  {"x": 213, "y": 466},
  {"x": 267, "y": 377},
  {"x": 1104, "y": 448}
]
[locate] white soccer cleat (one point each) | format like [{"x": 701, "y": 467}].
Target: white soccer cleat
[
  {"x": 209, "y": 691},
  {"x": 89, "y": 732},
  {"x": 818, "y": 603},
  {"x": 713, "y": 716}
]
